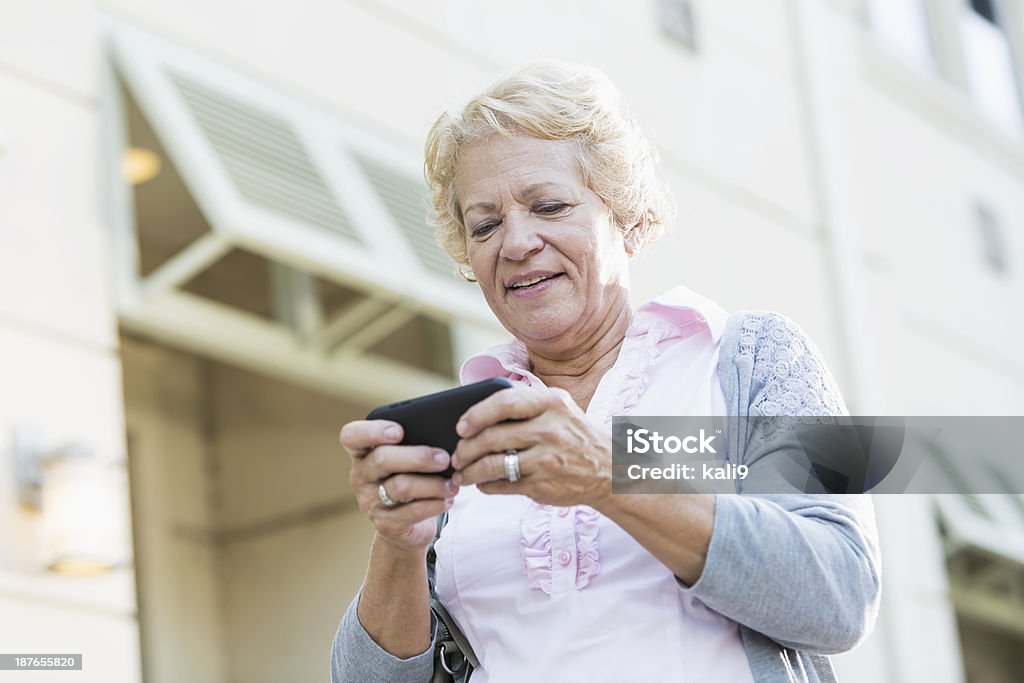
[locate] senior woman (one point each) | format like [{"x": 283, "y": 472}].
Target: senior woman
[{"x": 545, "y": 188}]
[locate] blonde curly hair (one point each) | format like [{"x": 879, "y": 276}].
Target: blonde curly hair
[{"x": 554, "y": 100}]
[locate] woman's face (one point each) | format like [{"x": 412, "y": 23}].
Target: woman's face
[{"x": 549, "y": 259}]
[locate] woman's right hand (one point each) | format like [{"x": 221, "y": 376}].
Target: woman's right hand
[{"x": 410, "y": 474}]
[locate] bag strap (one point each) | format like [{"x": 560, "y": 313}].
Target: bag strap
[{"x": 453, "y": 640}]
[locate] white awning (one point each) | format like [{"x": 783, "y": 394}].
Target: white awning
[
  {"x": 991, "y": 522},
  {"x": 983, "y": 534}
]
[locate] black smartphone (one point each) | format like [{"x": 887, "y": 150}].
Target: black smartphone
[{"x": 430, "y": 420}]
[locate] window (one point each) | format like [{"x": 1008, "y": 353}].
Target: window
[
  {"x": 676, "y": 19},
  {"x": 985, "y": 9},
  {"x": 970, "y": 44},
  {"x": 993, "y": 242},
  {"x": 903, "y": 26},
  {"x": 989, "y": 63}
]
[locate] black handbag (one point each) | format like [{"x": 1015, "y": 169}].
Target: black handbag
[{"x": 454, "y": 658}]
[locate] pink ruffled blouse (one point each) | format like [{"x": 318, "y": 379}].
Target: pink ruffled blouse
[{"x": 552, "y": 593}]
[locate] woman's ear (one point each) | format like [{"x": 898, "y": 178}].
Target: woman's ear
[{"x": 631, "y": 239}]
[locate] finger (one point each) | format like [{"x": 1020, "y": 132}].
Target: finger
[
  {"x": 499, "y": 487},
  {"x": 488, "y": 468},
  {"x": 384, "y": 461},
  {"x": 411, "y": 487},
  {"x": 392, "y": 521},
  {"x": 517, "y": 403},
  {"x": 360, "y": 436},
  {"x": 494, "y": 439}
]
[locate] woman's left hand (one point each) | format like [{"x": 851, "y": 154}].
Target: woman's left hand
[{"x": 564, "y": 459}]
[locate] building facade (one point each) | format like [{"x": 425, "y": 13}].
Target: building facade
[{"x": 213, "y": 254}]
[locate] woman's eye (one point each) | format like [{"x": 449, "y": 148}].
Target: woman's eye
[
  {"x": 549, "y": 209},
  {"x": 483, "y": 229}
]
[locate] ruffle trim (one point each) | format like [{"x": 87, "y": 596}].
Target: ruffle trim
[
  {"x": 538, "y": 556},
  {"x": 639, "y": 352}
]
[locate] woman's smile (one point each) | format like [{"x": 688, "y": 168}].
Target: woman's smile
[{"x": 533, "y": 284}]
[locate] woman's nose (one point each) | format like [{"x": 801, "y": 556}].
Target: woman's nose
[{"x": 520, "y": 237}]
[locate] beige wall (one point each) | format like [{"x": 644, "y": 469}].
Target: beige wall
[
  {"x": 174, "y": 487},
  {"x": 59, "y": 371}
]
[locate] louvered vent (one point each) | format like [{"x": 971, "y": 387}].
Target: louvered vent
[
  {"x": 264, "y": 158},
  {"x": 406, "y": 201},
  {"x": 952, "y": 474}
]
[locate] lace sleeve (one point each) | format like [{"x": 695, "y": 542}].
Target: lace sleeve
[{"x": 789, "y": 374}]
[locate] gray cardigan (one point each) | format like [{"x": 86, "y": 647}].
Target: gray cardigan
[{"x": 799, "y": 572}]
